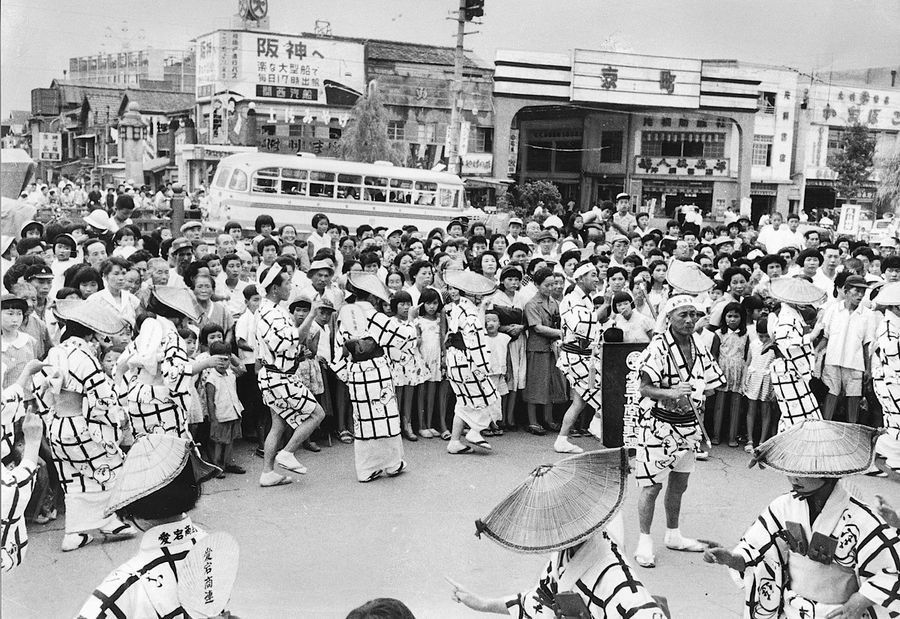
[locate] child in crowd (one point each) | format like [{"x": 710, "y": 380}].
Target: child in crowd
[
  {"x": 758, "y": 386},
  {"x": 407, "y": 367},
  {"x": 499, "y": 366},
  {"x": 18, "y": 348},
  {"x": 225, "y": 410},
  {"x": 308, "y": 368},
  {"x": 196, "y": 404},
  {"x": 109, "y": 358},
  {"x": 125, "y": 242},
  {"x": 730, "y": 348},
  {"x": 432, "y": 327},
  {"x": 256, "y": 414}
]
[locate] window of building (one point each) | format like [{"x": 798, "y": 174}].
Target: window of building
[
  {"x": 701, "y": 124},
  {"x": 396, "y": 130},
  {"x": 427, "y": 133},
  {"x": 611, "y": 146},
  {"x": 481, "y": 140},
  {"x": 762, "y": 150},
  {"x": 334, "y": 133},
  {"x": 683, "y": 122},
  {"x": 555, "y": 150},
  {"x": 767, "y": 102},
  {"x": 682, "y": 144},
  {"x": 267, "y": 130},
  {"x": 786, "y": 116}
]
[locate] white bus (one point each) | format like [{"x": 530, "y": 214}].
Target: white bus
[{"x": 294, "y": 188}]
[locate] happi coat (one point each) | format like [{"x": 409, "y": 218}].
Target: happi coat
[
  {"x": 477, "y": 401},
  {"x": 579, "y": 356},
  {"x": 667, "y": 429},
  {"x": 791, "y": 369},
  {"x": 158, "y": 380},
  {"x": 886, "y": 383},
  {"x": 782, "y": 581},
  {"x": 282, "y": 389},
  {"x": 599, "y": 574},
  {"x": 146, "y": 586},
  {"x": 17, "y": 485}
]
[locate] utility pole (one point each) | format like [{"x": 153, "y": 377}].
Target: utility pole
[{"x": 456, "y": 91}]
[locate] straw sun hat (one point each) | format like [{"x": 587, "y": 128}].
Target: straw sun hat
[
  {"x": 687, "y": 277},
  {"x": 796, "y": 291},
  {"x": 367, "y": 282},
  {"x": 176, "y": 298},
  {"x": 560, "y": 505},
  {"x": 819, "y": 448},
  {"x": 90, "y": 313},
  {"x": 152, "y": 462},
  {"x": 469, "y": 282}
]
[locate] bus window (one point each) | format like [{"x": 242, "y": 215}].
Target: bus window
[
  {"x": 238, "y": 181},
  {"x": 375, "y": 189},
  {"x": 266, "y": 180},
  {"x": 425, "y": 193},
  {"x": 448, "y": 197},
  {"x": 321, "y": 184},
  {"x": 401, "y": 191},
  {"x": 349, "y": 186},
  {"x": 222, "y": 177},
  {"x": 293, "y": 182}
]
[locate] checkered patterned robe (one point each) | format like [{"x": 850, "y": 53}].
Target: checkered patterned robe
[
  {"x": 159, "y": 386},
  {"x": 17, "y": 486},
  {"x": 792, "y": 370},
  {"x": 661, "y": 444},
  {"x": 12, "y": 401},
  {"x": 476, "y": 397},
  {"x": 146, "y": 586},
  {"x": 85, "y": 447},
  {"x": 886, "y": 372},
  {"x": 282, "y": 389},
  {"x": 599, "y": 574},
  {"x": 579, "y": 320},
  {"x": 867, "y": 548}
]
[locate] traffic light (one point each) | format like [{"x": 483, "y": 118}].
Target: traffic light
[{"x": 474, "y": 8}]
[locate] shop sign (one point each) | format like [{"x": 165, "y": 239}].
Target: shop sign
[
  {"x": 291, "y": 146},
  {"x": 850, "y": 219},
  {"x": 477, "y": 164},
  {"x": 513, "y": 152},
  {"x": 50, "y": 146},
  {"x": 269, "y": 66},
  {"x": 682, "y": 166},
  {"x": 841, "y": 106},
  {"x": 631, "y": 79}
]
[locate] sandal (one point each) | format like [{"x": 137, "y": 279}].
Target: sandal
[
  {"x": 446, "y": 436},
  {"x": 345, "y": 437},
  {"x": 536, "y": 430},
  {"x": 645, "y": 560}
]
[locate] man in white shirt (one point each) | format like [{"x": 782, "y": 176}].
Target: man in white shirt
[
  {"x": 849, "y": 329},
  {"x": 181, "y": 253},
  {"x": 831, "y": 257},
  {"x": 776, "y": 235},
  {"x": 320, "y": 286}
]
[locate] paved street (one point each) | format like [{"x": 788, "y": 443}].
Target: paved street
[{"x": 326, "y": 544}]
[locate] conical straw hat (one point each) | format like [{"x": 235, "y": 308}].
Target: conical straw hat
[
  {"x": 369, "y": 283},
  {"x": 560, "y": 505},
  {"x": 796, "y": 290},
  {"x": 177, "y": 298},
  {"x": 206, "y": 576},
  {"x": 688, "y": 278},
  {"x": 469, "y": 282},
  {"x": 819, "y": 448},
  {"x": 90, "y": 313},
  {"x": 889, "y": 294},
  {"x": 152, "y": 462}
]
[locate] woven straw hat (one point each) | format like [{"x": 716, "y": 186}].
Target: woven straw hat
[
  {"x": 367, "y": 282},
  {"x": 796, "y": 290},
  {"x": 179, "y": 299},
  {"x": 206, "y": 576},
  {"x": 90, "y": 313},
  {"x": 560, "y": 505},
  {"x": 152, "y": 462},
  {"x": 687, "y": 277},
  {"x": 889, "y": 294},
  {"x": 819, "y": 448},
  {"x": 469, "y": 282}
]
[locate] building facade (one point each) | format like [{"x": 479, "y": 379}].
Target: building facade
[{"x": 156, "y": 69}]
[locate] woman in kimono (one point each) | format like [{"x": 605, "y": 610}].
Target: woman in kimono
[
  {"x": 365, "y": 333},
  {"x": 159, "y": 483},
  {"x": 886, "y": 373},
  {"x": 83, "y": 425},
  {"x": 587, "y": 575},
  {"x": 818, "y": 552},
  {"x": 791, "y": 370},
  {"x": 158, "y": 368},
  {"x": 477, "y": 401}
]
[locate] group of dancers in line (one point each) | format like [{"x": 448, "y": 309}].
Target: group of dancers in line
[{"x": 818, "y": 552}]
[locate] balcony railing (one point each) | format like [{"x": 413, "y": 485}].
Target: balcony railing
[{"x": 682, "y": 166}]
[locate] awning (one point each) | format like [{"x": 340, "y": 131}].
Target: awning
[
  {"x": 86, "y": 136},
  {"x": 156, "y": 165},
  {"x": 112, "y": 166},
  {"x": 486, "y": 181}
]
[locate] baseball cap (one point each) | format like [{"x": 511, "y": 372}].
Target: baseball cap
[
  {"x": 38, "y": 271},
  {"x": 179, "y": 244},
  {"x": 853, "y": 281},
  {"x": 516, "y": 220},
  {"x": 622, "y": 196},
  {"x": 193, "y": 223}
]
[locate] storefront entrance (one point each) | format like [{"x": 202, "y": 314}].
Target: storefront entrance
[{"x": 668, "y": 196}]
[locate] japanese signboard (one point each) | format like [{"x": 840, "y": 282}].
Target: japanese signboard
[
  {"x": 839, "y": 106},
  {"x": 850, "y": 219},
  {"x": 513, "y": 164},
  {"x": 269, "y": 66},
  {"x": 50, "y": 146},
  {"x": 290, "y": 146},
  {"x": 477, "y": 164},
  {"x": 609, "y": 77}
]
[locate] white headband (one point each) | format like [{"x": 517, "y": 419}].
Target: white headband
[
  {"x": 584, "y": 269},
  {"x": 679, "y": 300},
  {"x": 270, "y": 277}
]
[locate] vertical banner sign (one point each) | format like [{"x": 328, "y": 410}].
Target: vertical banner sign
[
  {"x": 849, "y": 222},
  {"x": 464, "y": 128},
  {"x": 620, "y": 406},
  {"x": 50, "y": 146},
  {"x": 513, "y": 152}
]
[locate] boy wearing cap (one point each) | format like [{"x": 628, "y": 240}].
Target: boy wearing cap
[
  {"x": 848, "y": 327},
  {"x": 622, "y": 219}
]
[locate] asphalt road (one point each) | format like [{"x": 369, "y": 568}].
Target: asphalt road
[{"x": 326, "y": 543}]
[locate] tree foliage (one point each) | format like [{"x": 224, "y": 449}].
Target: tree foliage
[
  {"x": 523, "y": 199},
  {"x": 365, "y": 138},
  {"x": 854, "y": 160},
  {"x": 888, "y": 197}
]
